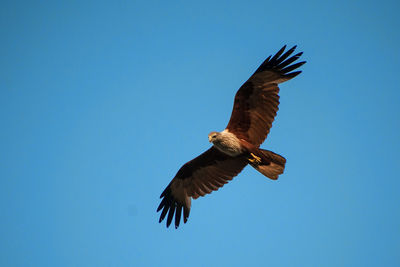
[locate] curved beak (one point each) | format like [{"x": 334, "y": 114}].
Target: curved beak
[{"x": 209, "y": 139}]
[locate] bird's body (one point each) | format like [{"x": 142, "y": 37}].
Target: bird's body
[
  {"x": 226, "y": 142},
  {"x": 254, "y": 110}
]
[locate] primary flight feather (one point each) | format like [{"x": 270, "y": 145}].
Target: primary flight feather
[{"x": 254, "y": 110}]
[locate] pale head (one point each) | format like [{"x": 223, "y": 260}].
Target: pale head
[
  {"x": 226, "y": 142},
  {"x": 212, "y": 137}
]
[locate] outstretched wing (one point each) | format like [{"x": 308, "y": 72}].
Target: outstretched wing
[
  {"x": 198, "y": 177},
  {"x": 257, "y": 100}
]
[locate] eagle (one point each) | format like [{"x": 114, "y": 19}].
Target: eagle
[{"x": 254, "y": 109}]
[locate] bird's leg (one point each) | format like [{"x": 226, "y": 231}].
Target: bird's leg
[{"x": 255, "y": 159}]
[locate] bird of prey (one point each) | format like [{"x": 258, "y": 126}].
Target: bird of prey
[{"x": 254, "y": 110}]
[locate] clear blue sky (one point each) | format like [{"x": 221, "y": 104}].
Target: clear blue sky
[{"x": 102, "y": 102}]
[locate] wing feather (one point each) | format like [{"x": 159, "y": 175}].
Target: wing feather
[
  {"x": 178, "y": 213},
  {"x": 198, "y": 177},
  {"x": 256, "y": 102}
]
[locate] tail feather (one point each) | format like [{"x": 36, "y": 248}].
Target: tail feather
[{"x": 272, "y": 164}]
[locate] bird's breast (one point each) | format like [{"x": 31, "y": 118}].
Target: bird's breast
[{"x": 229, "y": 144}]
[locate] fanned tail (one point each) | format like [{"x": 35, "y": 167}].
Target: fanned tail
[{"x": 271, "y": 165}]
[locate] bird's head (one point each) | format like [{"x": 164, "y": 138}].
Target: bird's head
[{"x": 212, "y": 137}]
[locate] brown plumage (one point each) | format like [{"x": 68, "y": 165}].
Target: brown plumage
[{"x": 255, "y": 107}]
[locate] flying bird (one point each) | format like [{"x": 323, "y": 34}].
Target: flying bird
[{"x": 254, "y": 110}]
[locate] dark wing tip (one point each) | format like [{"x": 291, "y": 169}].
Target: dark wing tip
[
  {"x": 293, "y": 74},
  {"x": 292, "y": 67},
  {"x": 186, "y": 212},
  {"x": 280, "y": 62},
  {"x": 278, "y": 54},
  {"x": 178, "y": 212},
  {"x": 170, "y": 206}
]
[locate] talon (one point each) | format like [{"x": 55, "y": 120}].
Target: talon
[{"x": 255, "y": 159}]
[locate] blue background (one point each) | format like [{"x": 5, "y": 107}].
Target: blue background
[{"x": 102, "y": 102}]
